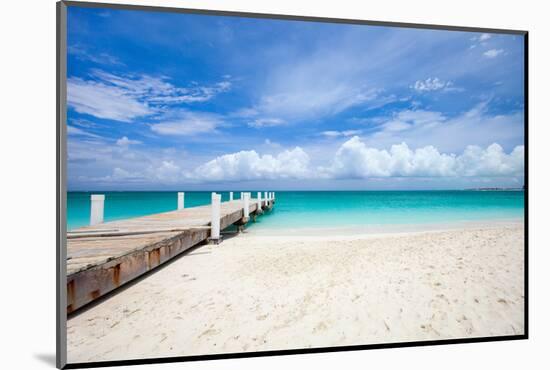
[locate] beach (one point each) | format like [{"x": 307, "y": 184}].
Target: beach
[{"x": 259, "y": 291}]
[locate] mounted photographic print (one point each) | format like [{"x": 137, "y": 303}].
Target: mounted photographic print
[{"x": 235, "y": 185}]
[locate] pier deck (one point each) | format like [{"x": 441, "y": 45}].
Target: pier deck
[{"x": 102, "y": 257}]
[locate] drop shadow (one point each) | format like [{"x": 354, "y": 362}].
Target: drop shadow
[{"x": 46, "y": 358}]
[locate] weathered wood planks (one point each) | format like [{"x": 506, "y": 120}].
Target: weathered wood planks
[{"x": 103, "y": 257}]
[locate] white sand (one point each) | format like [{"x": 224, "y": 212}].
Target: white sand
[{"x": 255, "y": 293}]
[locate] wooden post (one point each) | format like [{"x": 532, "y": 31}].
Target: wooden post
[
  {"x": 246, "y": 205},
  {"x": 259, "y": 200},
  {"x": 97, "y": 206},
  {"x": 273, "y": 195},
  {"x": 242, "y": 195},
  {"x": 230, "y": 196},
  {"x": 215, "y": 219},
  {"x": 181, "y": 200},
  {"x": 266, "y": 197}
]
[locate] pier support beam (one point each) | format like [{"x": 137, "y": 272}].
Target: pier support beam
[
  {"x": 230, "y": 196},
  {"x": 181, "y": 200},
  {"x": 97, "y": 207},
  {"x": 215, "y": 237}
]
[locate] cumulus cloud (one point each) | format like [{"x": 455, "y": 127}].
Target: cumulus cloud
[
  {"x": 126, "y": 97},
  {"x": 354, "y": 159},
  {"x": 249, "y": 165},
  {"x": 113, "y": 163},
  {"x": 476, "y": 126},
  {"x": 493, "y": 53},
  {"x": 492, "y": 161}
]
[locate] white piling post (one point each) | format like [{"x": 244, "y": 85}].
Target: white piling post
[
  {"x": 259, "y": 201},
  {"x": 246, "y": 205},
  {"x": 266, "y": 198},
  {"x": 181, "y": 200},
  {"x": 97, "y": 206},
  {"x": 215, "y": 221},
  {"x": 242, "y": 195},
  {"x": 230, "y": 196},
  {"x": 273, "y": 195}
]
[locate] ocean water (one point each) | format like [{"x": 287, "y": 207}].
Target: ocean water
[{"x": 323, "y": 209}]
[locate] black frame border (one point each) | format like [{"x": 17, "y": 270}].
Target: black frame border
[{"x": 61, "y": 162}]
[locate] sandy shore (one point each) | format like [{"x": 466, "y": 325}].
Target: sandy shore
[{"x": 255, "y": 293}]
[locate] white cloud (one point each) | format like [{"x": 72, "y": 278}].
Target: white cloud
[
  {"x": 266, "y": 122},
  {"x": 100, "y": 58},
  {"x": 167, "y": 172},
  {"x": 100, "y": 161},
  {"x": 96, "y": 161},
  {"x": 299, "y": 103},
  {"x": 434, "y": 84},
  {"x": 340, "y": 133},
  {"x": 249, "y": 165},
  {"x": 410, "y": 119},
  {"x": 452, "y": 134},
  {"x": 122, "y": 174},
  {"x": 125, "y": 142},
  {"x": 272, "y": 144},
  {"x": 492, "y": 161},
  {"x": 103, "y": 101},
  {"x": 493, "y": 53},
  {"x": 126, "y": 97},
  {"x": 484, "y": 37},
  {"x": 75, "y": 131},
  {"x": 354, "y": 159},
  {"x": 328, "y": 78},
  {"x": 430, "y": 84},
  {"x": 188, "y": 124}
]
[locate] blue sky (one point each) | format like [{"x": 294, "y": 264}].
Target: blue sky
[{"x": 178, "y": 101}]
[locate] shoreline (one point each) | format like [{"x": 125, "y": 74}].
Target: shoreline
[
  {"x": 256, "y": 293},
  {"x": 372, "y": 231}
]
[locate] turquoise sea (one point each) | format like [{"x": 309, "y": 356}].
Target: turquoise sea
[{"x": 321, "y": 209}]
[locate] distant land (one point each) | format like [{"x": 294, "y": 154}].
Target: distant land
[{"x": 497, "y": 189}]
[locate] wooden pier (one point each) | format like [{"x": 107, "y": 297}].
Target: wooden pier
[{"x": 104, "y": 256}]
